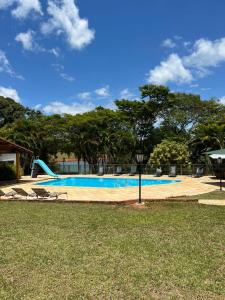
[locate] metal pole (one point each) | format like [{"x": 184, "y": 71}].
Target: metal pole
[{"x": 139, "y": 201}]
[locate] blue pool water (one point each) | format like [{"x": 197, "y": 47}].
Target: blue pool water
[{"x": 104, "y": 182}]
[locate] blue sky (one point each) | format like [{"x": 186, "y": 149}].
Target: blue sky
[{"x": 65, "y": 56}]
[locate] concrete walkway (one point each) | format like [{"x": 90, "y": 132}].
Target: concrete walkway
[
  {"x": 212, "y": 202},
  {"x": 188, "y": 186}
]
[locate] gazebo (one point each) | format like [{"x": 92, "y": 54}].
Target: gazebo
[
  {"x": 218, "y": 168},
  {"x": 215, "y": 154},
  {"x": 7, "y": 147}
]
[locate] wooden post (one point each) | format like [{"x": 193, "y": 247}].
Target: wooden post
[{"x": 17, "y": 166}]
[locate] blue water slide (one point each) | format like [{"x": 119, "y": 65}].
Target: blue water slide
[{"x": 43, "y": 165}]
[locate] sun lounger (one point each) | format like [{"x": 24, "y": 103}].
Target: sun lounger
[
  {"x": 101, "y": 171},
  {"x": 23, "y": 193},
  {"x": 42, "y": 193},
  {"x": 8, "y": 194},
  {"x": 172, "y": 172},
  {"x": 158, "y": 172},
  {"x": 133, "y": 171},
  {"x": 199, "y": 172},
  {"x": 118, "y": 171}
]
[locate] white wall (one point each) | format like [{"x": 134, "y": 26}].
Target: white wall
[{"x": 8, "y": 157}]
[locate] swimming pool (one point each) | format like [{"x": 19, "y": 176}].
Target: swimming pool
[{"x": 104, "y": 182}]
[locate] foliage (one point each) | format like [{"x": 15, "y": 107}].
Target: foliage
[
  {"x": 114, "y": 136},
  {"x": 7, "y": 171},
  {"x": 101, "y": 135},
  {"x": 170, "y": 152},
  {"x": 208, "y": 137},
  {"x": 10, "y": 111},
  {"x": 43, "y": 135},
  {"x": 187, "y": 111},
  {"x": 143, "y": 114}
]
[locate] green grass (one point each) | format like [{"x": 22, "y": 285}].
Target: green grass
[
  {"x": 215, "y": 195},
  {"x": 59, "y": 251}
]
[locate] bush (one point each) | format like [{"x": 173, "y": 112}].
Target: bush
[
  {"x": 169, "y": 152},
  {"x": 7, "y": 171}
]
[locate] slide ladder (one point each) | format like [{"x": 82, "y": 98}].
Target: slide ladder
[{"x": 42, "y": 164}]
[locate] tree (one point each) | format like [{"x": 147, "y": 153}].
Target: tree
[
  {"x": 113, "y": 136},
  {"x": 169, "y": 152},
  {"x": 101, "y": 135},
  {"x": 207, "y": 137},
  {"x": 142, "y": 114},
  {"x": 187, "y": 111},
  {"x": 43, "y": 135},
  {"x": 10, "y": 111}
]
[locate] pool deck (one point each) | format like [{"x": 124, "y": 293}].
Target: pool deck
[{"x": 188, "y": 186}]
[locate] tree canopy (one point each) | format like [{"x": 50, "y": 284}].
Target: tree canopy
[{"x": 114, "y": 136}]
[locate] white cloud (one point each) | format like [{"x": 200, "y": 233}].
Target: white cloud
[
  {"x": 65, "y": 19},
  {"x": 5, "y": 66},
  {"x": 26, "y": 39},
  {"x": 110, "y": 105},
  {"x": 9, "y": 93},
  {"x": 170, "y": 70},
  {"x": 23, "y": 7},
  {"x": 60, "y": 69},
  {"x": 222, "y": 100},
  {"x": 169, "y": 43},
  {"x": 205, "y": 89},
  {"x": 84, "y": 95},
  {"x": 67, "y": 77},
  {"x": 205, "y": 55},
  {"x": 4, "y": 63},
  {"x": 55, "y": 51},
  {"x": 37, "y": 106},
  {"x": 58, "y": 107},
  {"x": 103, "y": 92},
  {"x": 178, "y": 37},
  {"x": 29, "y": 44},
  {"x": 5, "y": 3},
  {"x": 194, "y": 85},
  {"x": 186, "y": 44},
  {"x": 126, "y": 94}
]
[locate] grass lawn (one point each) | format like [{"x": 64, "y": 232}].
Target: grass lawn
[
  {"x": 59, "y": 251},
  {"x": 216, "y": 195}
]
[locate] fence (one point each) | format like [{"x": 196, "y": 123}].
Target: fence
[{"x": 85, "y": 168}]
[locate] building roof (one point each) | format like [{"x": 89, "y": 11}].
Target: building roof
[
  {"x": 9, "y": 147},
  {"x": 215, "y": 154},
  {"x": 220, "y": 151}
]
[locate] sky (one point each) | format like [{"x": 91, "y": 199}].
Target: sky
[{"x": 66, "y": 56}]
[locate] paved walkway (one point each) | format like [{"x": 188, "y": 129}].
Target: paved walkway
[
  {"x": 212, "y": 202},
  {"x": 187, "y": 187}
]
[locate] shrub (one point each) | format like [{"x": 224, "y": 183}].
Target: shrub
[
  {"x": 7, "y": 171},
  {"x": 169, "y": 152}
]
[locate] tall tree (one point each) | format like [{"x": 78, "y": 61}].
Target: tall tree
[
  {"x": 101, "y": 135},
  {"x": 10, "y": 111},
  {"x": 142, "y": 114},
  {"x": 187, "y": 111},
  {"x": 207, "y": 137}
]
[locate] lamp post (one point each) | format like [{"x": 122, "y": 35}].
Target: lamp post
[
  {"x": 220, "y": 161},
  {"x": 139, "y": 159}
]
